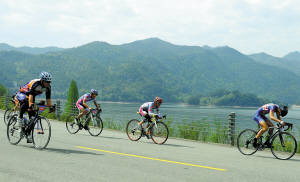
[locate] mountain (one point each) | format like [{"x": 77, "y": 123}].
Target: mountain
[
  {"x": 290, "y": 64},
  {"x": 293, "y": 56},
  {"x": 140, "y": 70},
  {"x": 30, "y": 50}
]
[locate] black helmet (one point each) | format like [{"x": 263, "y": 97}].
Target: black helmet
[{"x": 283, "y": 111}]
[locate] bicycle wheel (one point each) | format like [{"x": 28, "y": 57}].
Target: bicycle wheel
[
  {"x": 284, "y": 144},
  {"x": 245, "y": 142},
  {"x": 7, "y": 115},
  {"x": 70, "y": 124},
  {"x": 95, "y": 126},
  {"x": 159, "y": 133},
  {"x": 13, "y": 132},
  {"x": 41, "y": 133},
  {"x": 133, "y": 130}
]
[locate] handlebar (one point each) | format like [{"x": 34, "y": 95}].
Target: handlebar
[
  {"x": 41, "y": 105},
  {"x": 163, "y": 117},
  {"x": 94, "y": 111},
  {"x": 290, "y": 125}
]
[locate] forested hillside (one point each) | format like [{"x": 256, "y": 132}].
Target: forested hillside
[
  {"x": 141, "y": 70},
  {"x": 30, "y": 50},
  {"x": 288, "y": 62}
]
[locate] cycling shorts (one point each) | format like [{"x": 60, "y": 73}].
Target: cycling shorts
[
  {"x": 79, "y": 106},
  {"x": 258, "y": 118}
]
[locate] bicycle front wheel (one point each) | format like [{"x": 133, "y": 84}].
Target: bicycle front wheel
[
  {"x": 133, "y": 130},
  {"x": 159, "y": 133},
  {"x": 245, "y": 142},
  {"x": 13, "y": 131},
  {"x": 7, "y": 115},
  {"x": 95, "y": 126},
  {"x": 41, "y": 133},
  {"x": 284, "y": 146},
  {"x": 71, "y": 126}
]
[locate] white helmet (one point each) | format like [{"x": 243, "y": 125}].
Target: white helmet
[{"x": 46, "y": 76}]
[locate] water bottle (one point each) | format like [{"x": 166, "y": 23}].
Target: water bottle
[{"x": 25, "y": 120}]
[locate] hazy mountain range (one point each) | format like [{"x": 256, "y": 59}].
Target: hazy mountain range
[{"x": 141, "y": 70}]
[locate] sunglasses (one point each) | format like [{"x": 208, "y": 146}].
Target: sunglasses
[{"x": 48, "y": 82}]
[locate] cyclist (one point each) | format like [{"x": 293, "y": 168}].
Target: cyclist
[
  {"x": 31, "y": 90},
  {"x": 146, "y": 110},
  {"x": 81, "y": 104},
  {"x": 15, "y": 101},
  {"x": 265, "y": 123}
]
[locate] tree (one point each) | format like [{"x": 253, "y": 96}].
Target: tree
[
  {"x": 3, "y": 90},
  {"x": 72, "y": 99},
  {"x": 193, "y": 100}
]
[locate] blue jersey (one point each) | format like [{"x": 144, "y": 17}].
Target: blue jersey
[{"x": 267, "y": 108}]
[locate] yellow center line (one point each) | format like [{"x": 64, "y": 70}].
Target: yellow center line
[{"x": 150, "y": 158}]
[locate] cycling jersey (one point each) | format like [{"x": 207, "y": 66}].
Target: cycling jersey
[
  {"x": 148, "y": 107},
  {"x": 263, "y": 110},
  {"x": 13, "y": 98},
  {"x": 35, "y": 87},
  {"x": 86, "y": 98}
]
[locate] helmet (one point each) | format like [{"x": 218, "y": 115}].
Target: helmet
[
  {"x": 283, "y": 111},
  {"x": 95, "y": 92},
  {"x": 46, "y": 76},
  {"x": 158, "y": 99}
]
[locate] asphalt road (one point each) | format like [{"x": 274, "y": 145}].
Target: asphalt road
[{"x": 113, "y": 157}]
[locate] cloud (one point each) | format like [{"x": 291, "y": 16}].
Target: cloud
[{"x": 250, "y": 26}]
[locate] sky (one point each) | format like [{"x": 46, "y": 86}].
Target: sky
[{"x": 249, "y": 26}]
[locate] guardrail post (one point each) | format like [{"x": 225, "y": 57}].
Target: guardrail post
[
  {"x": 58, "y": 112},
  {"x": 6, "y": 101},
  {"x": 231, "y": 127}
]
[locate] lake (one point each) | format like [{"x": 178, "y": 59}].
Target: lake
[{"x": 123, "y": 112}]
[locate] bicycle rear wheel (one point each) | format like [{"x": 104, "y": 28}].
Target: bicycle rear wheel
[
  {"x": 41, "y": 133},
  {"x": 159, "y": 133},
  {"x": 245, "y": 142},
  {"x": 95, "y": 126},
  {"x": 7, "y": 115},
  {"x": 71, "y": 126},
  {"x": 133, "y": 130},
  {"x": 13, "y": 132},
  {"x": 285, "y": 146}
]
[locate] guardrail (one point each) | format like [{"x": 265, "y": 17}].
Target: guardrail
[{"x": 208, "y": 127}]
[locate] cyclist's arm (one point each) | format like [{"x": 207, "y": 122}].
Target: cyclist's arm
[
  {"x": 96, "y": 105},
  {"x": 30, "y": 100},
  {"x": 278, "y": 119},
  {"x": 48, "y": 96},
  {"x": 48, "y": 102}
]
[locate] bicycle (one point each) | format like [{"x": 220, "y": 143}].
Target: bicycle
[
  {"x": 158, "y": 130},
  {"x": 283, "y": 144},
  {"x": 7, "y": 115},
  {"x": 38, "y": 128},
  {"x": 95, "y": 124}
]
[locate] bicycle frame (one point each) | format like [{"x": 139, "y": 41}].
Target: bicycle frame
[
  {"x": 154, "y": 120},
  {"x": 91, "y": 115},
  {"x": 279, "y": 129}
]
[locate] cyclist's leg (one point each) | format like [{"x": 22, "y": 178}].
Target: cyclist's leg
[
  {"x": 83, "y": 110},
  {"x": 145, "y": 114},
  {"x": 23, "y": 108},
  {"x": 270, "y": 124},
  {"x": 264, "y": 126},
  {"x": 260, "y": 120}
]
